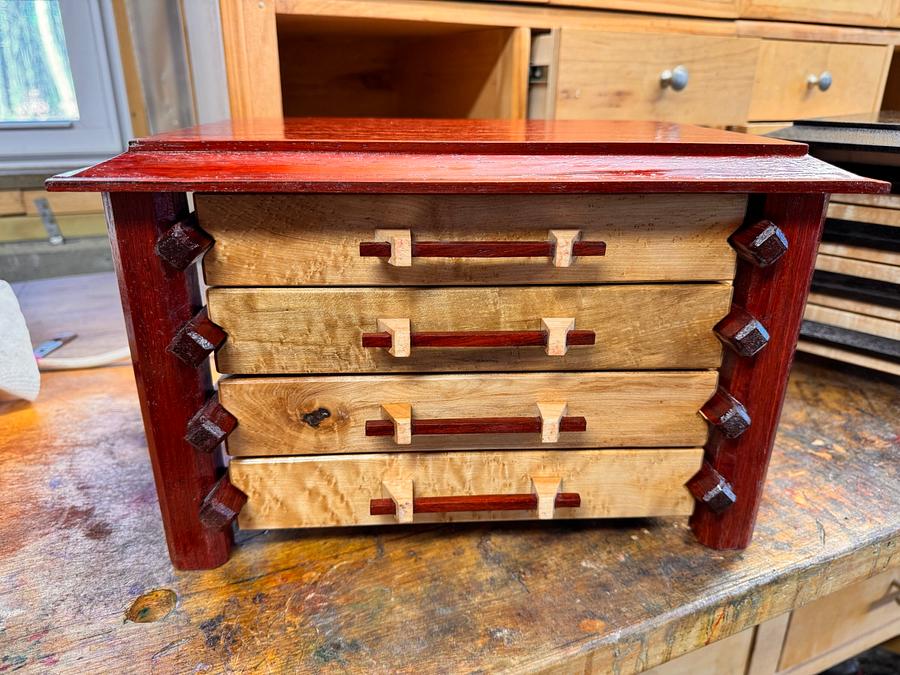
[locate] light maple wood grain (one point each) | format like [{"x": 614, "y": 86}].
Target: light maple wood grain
[
  {"x": 319, "y": 330},
  {"x": 725, "y": 657},
  {"x": 25, "y": 228},
  {"x": 767, "y": 643},
  {"x": 848, "y": 356},
  {"x": 842, "y": 624},
  {"x": 610, "y": 75},
  {"x": 860, "y": 253},
  {"x": 11, "y": 203},
  {"x": 852, "y": 321},
  {"x": 856, "y": 306},
  {"x": 298, "y": 240},
  {"x": 330, "y": 491},
  {"x": 780, "y": 89},
  {"x": 621, "y": 409},
  {"x": 878, "y": 209},
  {"x": 60, "y": 203},
  {"x": 858, "y": 268},
  {"x": 851, "y": 12},
  {"x": 250, "y": 42}
]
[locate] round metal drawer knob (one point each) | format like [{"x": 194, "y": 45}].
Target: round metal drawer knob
[
  {"x": 823, "y": 81},
  {"x": 676, "y": 78}
]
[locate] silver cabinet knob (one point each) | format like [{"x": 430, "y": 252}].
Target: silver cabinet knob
[
  {"x": 676, "y": 78},
  {"x": 823, "y": 81}
]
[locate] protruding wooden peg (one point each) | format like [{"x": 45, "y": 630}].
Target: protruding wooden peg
[
  {"x": 210, "y": 426},
  {"x": 564, "y": 242},
  {"x": 399, "y": 330},
  {"x": 222, "y": 505},
  {"x": 401, "y": 415},
  {"x": 401, "y": 491},
  {"x": 710, "y": 488},
  {"x": 742, "y": 332},
  {"x": 761, "y": 243},
  {"x": 197, "y": 339},
  {"x": 183, "y": 243},
  {"x": 726, "y": 413},
  {"x": 546, "y": 488},
  {"x": 551, "y": 415},
  {"x": 557, "y": 331},
  {"x": 401, "y": 246}
]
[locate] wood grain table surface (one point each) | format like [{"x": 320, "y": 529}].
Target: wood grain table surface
[{"x": 86, "y": 584}]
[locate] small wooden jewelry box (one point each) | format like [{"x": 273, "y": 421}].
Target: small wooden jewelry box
[{"x": 423, "y": 321}]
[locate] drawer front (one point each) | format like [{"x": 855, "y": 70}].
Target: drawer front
[
  {"x": 849, "y": 12},
  {"x": 333, "y": 415},
  {"x": 619, "y": 76},
  {"x": 327, "y": 491},
  {"x": 321, "y": 330},
  {"x": 843, "y": 623},
  {"x": 782, "y": 90},
  {"x": 314, "y": 240}
]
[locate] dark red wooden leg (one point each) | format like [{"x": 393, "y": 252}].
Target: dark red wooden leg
[
  {"x": 772, "y": 289},
  {"x": 159, "y": 300}
]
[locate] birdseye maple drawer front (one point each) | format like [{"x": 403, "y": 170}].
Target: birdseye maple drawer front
[
  {"x": 658, "y": 76},
  {"x": 433, "y": 487},
  {"x": 342, "y": 330},
  {"x": 307, "y": 415},
  {"x": 815, "y": 79},
  {"x": 312, "y": 240}
]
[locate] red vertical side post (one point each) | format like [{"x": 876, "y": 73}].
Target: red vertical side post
[
  {"x": 158, "y": 300},
  {"x": 774, "y": 294}
]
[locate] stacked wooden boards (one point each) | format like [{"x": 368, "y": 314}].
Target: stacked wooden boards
[
  {"x": 76, "y": 214},
  {"x": 853, "y": 312}
]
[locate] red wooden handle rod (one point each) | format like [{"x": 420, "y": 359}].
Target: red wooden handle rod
[
  {"x": 481, "y": 249},
  {"x": 474, "y": 425},
  {"x": 485, "y": 338},
  {"x": 520, "y": 502}
]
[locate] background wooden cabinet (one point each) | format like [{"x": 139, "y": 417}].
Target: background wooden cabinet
[{"x": 578, "y": 59}]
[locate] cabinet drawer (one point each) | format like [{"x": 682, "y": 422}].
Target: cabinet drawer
[
  {"x": 324, "y": 330},
  {"x": 848, "y": 12},
  {"x": 313, "y": 240},
  {"x": 619, "y": 76},
  {"x": 324, "y": 491},
  {"x": 782, "y": 90},
  {"x": 307, "y": 415},
  {"x": 842, "y": 624}
]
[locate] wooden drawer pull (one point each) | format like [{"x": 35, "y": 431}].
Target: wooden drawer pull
[
  {"x": 517, "y": 502},
  {"x": 557, "y": 336},
  {"x": 397, "y": 246},
  {"x": 474, "y": 425}
]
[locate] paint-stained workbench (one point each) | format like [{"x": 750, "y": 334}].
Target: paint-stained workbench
[{"x": 81, "y": 540}]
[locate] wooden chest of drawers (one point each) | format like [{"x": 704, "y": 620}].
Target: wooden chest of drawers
[{"x": 438, "y": 321}]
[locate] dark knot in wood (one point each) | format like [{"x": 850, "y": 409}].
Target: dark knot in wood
[{"x": 315, "y": 417}]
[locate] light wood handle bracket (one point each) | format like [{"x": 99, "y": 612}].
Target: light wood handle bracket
[
  {"x": 546, "y": 488},
  {"x": 401, "y": 415},
  {"x": 563, "y": 246},
  {"x": 400, "y": 491},
  {"x": 399, "y": 331},
  {"x": 557, "y": 331},
  {"x": 551, "y": 416},
  {"x": 401, "y": 246}
]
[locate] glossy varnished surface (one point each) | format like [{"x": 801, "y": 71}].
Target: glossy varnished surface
[
  {"x": 468, "y": 136},
  {"x": 81, "y": 540},
  {"x": 463, "y": 156}
]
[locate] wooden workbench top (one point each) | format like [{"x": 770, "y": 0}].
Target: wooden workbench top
[{"x": 81, "y": 541}]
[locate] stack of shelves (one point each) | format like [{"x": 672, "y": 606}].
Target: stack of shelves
[{"x": 853, "y": 312}]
